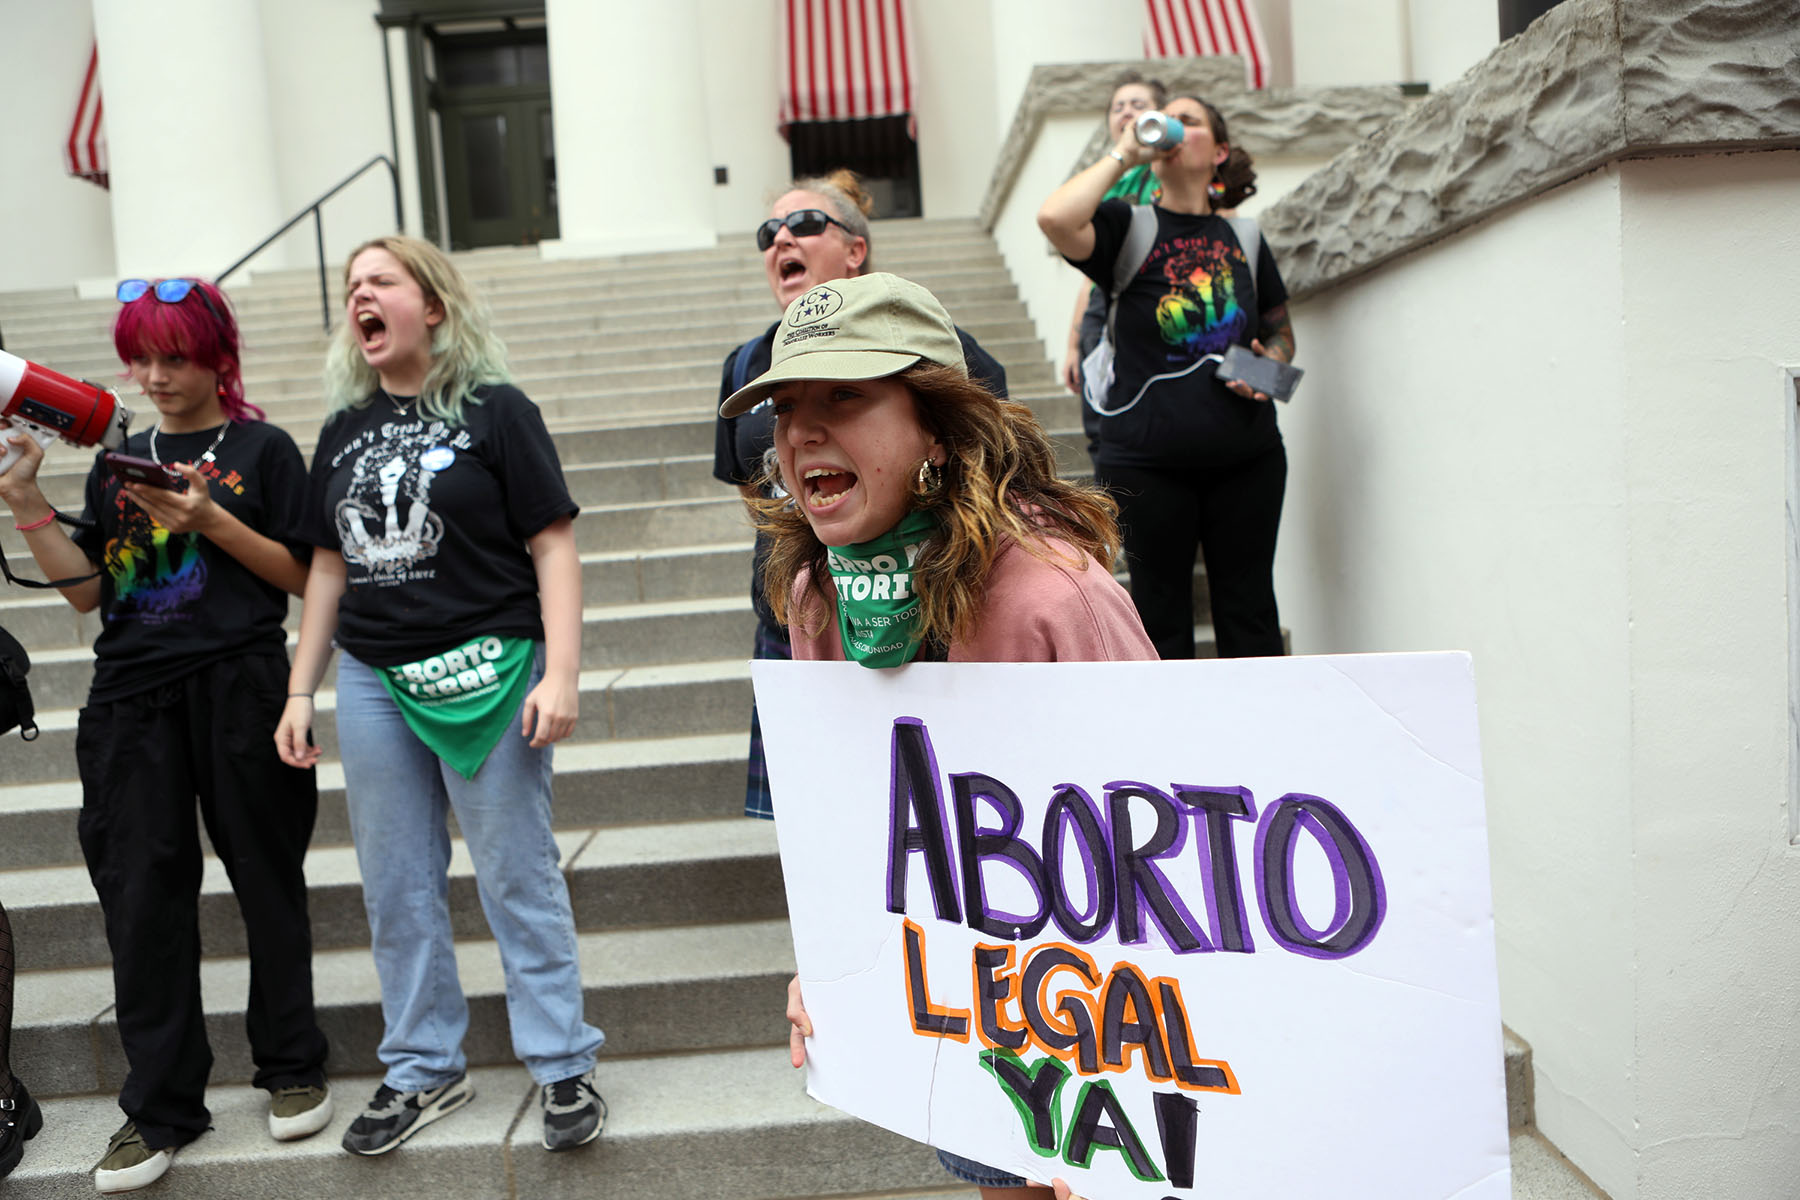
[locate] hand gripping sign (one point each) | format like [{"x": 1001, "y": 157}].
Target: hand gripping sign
[{"x": 1214, "y": 929}]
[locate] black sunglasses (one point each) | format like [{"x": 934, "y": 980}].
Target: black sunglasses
[
  {"x": 802, "y": 222},
  {"x": 169, "y": 291}
]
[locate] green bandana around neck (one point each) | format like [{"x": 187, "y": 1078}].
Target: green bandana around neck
[
  {"x": 878, "y": 611},
  {"x": 462, "y": 701}
]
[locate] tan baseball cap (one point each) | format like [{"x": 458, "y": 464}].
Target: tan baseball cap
[{"x": 869, "y": 327}]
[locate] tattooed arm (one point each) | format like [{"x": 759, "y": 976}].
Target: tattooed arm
[{"x": 1277, "y": 340}]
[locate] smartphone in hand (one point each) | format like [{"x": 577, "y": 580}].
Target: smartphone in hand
[
  {"x": 131, "y": 469},
  {"x": 1270, "y": 376}
]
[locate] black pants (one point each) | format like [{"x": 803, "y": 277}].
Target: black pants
[
  {"x": 144, "y": 760},
  {"x": 1231, "y": 515}
]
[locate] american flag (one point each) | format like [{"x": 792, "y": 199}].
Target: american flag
[
  {"x": 85, "y": 155},
  {"x": 1180, "y": 28},
  {"x": 845, "y": 58}
]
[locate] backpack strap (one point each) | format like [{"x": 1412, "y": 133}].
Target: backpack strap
[
  {"x": 1140, "y": 235},
  {"x": 1249, "y": 236},
  {"x": 16, "y": 708},
  {"x": 5, "y": 570},
  {"x": 740, "y": 363}
]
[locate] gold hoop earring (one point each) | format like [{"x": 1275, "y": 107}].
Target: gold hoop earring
[{"x": 929, "y": 481}]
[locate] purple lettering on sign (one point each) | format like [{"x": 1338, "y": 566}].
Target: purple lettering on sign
[
  {"x": 1072, "y": 809},
  {"x": 913, "y": 793},
  {"x": 977, "y": 844},
  {"x": 1142, "y": 885},
  {"x": 1360, "y": 899}
]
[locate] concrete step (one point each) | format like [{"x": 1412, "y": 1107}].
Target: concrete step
[
  {"x": 696, "y": 777},
  {"x": 625, "y": 877},
  {"x": 728, "y": 1123},
  {"x": 596, "y": 437},
  {"x": 687, "y": 477},
  {"x": 665, "y": 696},
  {"x": 680, "y": 1127},
  {"x": 44, "y": 621},
  {"x": 587, "y": 277},
  {"x": 529, "y": 349},
  {"x": 654, "y": 991},
  {"x": 85, "y": 346},
  {"x": 598, "y": 373},
  {"x": 629, "y": 307}
]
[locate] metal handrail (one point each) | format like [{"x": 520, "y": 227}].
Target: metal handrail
[{"x": 319, "y": 229}]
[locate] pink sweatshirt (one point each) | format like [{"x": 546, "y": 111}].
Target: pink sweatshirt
[{"x": 1036, "y": 611}]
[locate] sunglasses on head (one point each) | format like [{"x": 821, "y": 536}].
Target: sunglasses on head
[
  {"x": 802, "y": 222},
  {"x": 169, "y": 291}
]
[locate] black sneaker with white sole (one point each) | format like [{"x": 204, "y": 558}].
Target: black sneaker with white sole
[
  {"x": 574, "y": 1113},
  {"x": 393, "y": 1116}
]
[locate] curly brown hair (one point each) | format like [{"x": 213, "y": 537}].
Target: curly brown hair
[{"x": 1000, "y": 487}]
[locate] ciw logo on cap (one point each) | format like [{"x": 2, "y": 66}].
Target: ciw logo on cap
[
  {"x": 815, "y": 306},
  {"x": 868, "y": 327}
]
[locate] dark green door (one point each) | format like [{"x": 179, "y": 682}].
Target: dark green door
[{"x": 493, "y": 100}]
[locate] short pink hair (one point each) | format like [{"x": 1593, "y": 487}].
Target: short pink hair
[{"x": 201, "y": 334}]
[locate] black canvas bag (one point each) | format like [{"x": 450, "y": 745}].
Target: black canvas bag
[{"x": 16, "y": 709}]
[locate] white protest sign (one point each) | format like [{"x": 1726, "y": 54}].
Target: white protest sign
[{"x": 1213, "y": 929}]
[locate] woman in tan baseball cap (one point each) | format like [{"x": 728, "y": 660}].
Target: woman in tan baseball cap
[{"x": 922, "y": 518}]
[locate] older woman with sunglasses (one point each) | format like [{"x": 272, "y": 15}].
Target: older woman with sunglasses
[
  {"x": 816, "y": 232},
  {"x": 190, "y": 677}
]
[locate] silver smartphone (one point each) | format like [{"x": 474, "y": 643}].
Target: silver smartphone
[{"x": 1269, "y": 376}]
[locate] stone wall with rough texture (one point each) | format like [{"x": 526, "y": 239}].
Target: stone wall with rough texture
[
  {"x": 1296, "y": 122},
  {"x": 1590, "y": 82}
]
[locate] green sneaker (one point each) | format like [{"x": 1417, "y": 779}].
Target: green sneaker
[
  {"x": 129, "y": 1164},
  {"x": 297, "y": 1112}
]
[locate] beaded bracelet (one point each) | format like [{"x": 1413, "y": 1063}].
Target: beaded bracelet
[{"x": 37, "y": 524}]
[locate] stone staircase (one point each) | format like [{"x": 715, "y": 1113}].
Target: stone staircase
[{"x": 678, "y": 899}]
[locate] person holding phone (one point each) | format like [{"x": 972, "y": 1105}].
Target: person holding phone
[
  {"x": 1194, "y": 462},
  {"x": 447, "y": 571},
  {"x": 891, "y": 450},
  {"x": 190, "y": 678}
]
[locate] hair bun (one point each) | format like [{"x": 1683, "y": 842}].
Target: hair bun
[{"x": 850, "y": 183}]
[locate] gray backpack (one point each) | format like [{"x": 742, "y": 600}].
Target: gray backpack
[{"x": 1097, "y": 367}]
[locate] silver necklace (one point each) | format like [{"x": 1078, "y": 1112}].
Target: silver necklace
[
  {"x": 399, "y": 408},
  {"x": 207, "y": 457}
]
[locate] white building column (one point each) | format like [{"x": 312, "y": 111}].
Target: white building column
[
  {"x": 634, "y": 172},
  {"x": 189, "y": 136}
]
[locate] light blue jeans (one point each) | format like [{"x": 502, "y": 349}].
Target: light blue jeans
[{"x": 397, "y": 790}]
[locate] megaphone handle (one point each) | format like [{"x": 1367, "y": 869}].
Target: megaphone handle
[{"x": 11, "y": 450}]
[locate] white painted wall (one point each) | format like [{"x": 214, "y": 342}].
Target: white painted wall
[
  {"x": 328, "y": 114},
  {"x": 1527, "y": 442},
  {"x": 1716, "y": 881},
  {"x": 1047, "y": 284},
  {"x": 627, "y": 180},
  {"x": 1448, "y": 37},
  {"x": 741, "y": 67},
  {"x": 953, "y": 83},
  {"x": 1029, "y": 32},
  {"x": 1456, "y": 462},
  {"x": 194, "y": 176},
  {"x": 57, "y": 228}
]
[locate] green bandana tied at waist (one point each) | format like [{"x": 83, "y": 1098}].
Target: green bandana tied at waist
[
  {"x": 878, "y": 611},
  {"x": 462, "y": 701}
]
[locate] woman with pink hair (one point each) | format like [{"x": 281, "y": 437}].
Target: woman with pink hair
[{"x": 191, "y": 576}]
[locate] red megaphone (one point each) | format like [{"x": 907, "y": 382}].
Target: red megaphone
[{"x": 47, "y": 405}]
